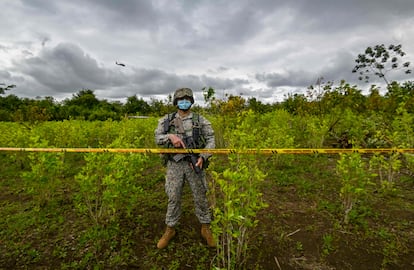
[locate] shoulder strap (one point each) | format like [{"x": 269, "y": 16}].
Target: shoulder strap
[
  {"x": 167, "y": 122},
  {"x": 196, "y": 128},
  {"x": 196, "y": 119}
]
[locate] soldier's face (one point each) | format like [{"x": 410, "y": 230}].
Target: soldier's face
[{"x": 184, "y": 104}]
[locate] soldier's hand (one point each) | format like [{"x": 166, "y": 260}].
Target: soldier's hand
[
  {"x": 200, "y": 162},
  {"x": 176, "y": 141}
]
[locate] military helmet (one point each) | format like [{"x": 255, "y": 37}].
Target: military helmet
[{"x": 181, "y": 93}]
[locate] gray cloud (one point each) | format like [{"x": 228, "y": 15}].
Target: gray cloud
[
  {"x": 288, "y": 78},
  {"x": 5, "y": 75},
  {"x": 63, "y": 68},
  {"x": 66, "y": 68},
  {"x": 264, "y": 48}
]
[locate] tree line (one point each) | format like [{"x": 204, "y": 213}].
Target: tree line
[{"x": 318, "y": 100}]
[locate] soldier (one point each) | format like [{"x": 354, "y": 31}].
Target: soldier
[{"x": 176, "y": 130}]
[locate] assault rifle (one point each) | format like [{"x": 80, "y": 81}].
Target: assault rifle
[{"x": 190, "y": 143}]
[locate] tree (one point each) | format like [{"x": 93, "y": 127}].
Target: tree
[
  {"x": 400, "y": 95},
  {"x": 258, "y": 106},
  {"x": 208, "y": 94},
  {"x": 4, "y": 89},
  {"x": 42, "y": 109},
  {"x": 296, "y": 104},
  {"x": 81, "y": 106},
  {"x": 159, "y": 107},
  {"x": 85, "y": 98},
  {"x": 233, "y": 106},
  {"x": 135, "y": 105},
  {"x": 319, "y": 90},
  {"x": 379, "y": 60},
  {"x": 375, "y": 102},
  {"x": 8, "y": 106}
]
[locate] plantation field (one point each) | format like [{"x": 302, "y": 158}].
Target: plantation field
[{"x": 106, "y": 210}]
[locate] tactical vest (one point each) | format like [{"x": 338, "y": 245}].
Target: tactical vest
[{"x": 169, "y": 127}]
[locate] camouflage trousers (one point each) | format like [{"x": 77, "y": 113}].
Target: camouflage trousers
[{"x": 177, "y": 174}]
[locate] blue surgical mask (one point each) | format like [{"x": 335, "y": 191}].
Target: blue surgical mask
[{"x": 184, "y": 104}]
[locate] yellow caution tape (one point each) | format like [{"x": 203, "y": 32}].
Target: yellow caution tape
[{"x": 215, "y": 151}]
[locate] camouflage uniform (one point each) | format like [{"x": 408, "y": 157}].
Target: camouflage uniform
[{"x": 180, "y": 171}]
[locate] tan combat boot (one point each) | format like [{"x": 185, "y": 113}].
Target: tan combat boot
[
  {"x": 166, "y": 237},
  {"x": 207, "y": 235}
]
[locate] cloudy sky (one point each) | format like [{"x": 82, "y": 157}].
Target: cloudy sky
[{"x": 258, "y": 48}]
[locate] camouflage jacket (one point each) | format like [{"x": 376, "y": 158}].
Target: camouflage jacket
[{"x": 206, "y": 131}]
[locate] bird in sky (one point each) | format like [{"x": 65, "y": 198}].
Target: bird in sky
[{"x": 120, "y": 64}]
